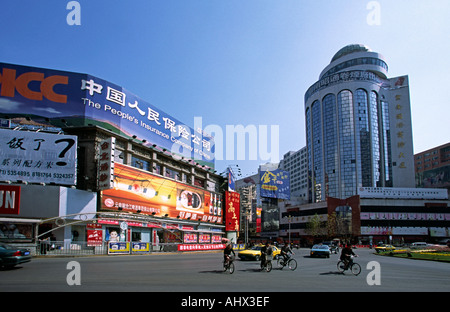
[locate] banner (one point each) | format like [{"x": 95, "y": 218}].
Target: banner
[
  {"x": 139, "y": 191},
  {"x": 275, "y": 184},
  {"x": 38, "y": 157},
  {"x": 232, "y": 208},
  {"x": 106, "y": 163},
  {"x": 58, "y": 98}
]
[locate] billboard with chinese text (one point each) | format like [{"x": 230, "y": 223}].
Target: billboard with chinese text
[
  {"x": 38, "y": 157},
  {"x": 138, "y": 191},
  {"x": 275, "y": 184},
  {"x": 58, "y": 98}
]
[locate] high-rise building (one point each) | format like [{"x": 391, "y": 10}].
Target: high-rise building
[
  {"x": 296, "y": 163},
  {"x": 358, "y": 126},
  {"x": 432, "y": 167}
]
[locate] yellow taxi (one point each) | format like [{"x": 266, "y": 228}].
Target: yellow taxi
[
  {"x": 254, "y": 253},
  {"x": 384, "y": 247}
]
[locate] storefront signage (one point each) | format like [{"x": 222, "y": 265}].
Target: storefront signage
[
  {"x": 118, "y": 248},
  {"x": 60, "y": 98},
  {"x": 139, "y": 247},
  {"x": 141, "y": 192},
  {"x": 94, "y": 237},
  {"x": 9, "y": 199},
  {"x": 37, "y": 157},
  {"x": 197, "y": 247}
]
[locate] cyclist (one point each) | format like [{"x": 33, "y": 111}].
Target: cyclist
[
  {"x": 227, "y": 253},
  {"x": 346, "y": 255},
  {"x": 285, "y": 252}
]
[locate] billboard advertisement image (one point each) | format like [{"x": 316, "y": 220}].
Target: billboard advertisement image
[
  {"x": 275, "y": 184},
  {"x": 138, "y": 191}
]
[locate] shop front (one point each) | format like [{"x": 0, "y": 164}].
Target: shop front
[{"x": 34, "y": 214}]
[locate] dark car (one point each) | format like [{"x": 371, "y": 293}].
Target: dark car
[{"x": 11, "y": 256}]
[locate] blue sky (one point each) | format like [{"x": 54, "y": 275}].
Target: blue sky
[{"x": 235, "y": 62}]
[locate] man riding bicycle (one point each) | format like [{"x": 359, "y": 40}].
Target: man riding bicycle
[
  {"x": 227, "y": 253},
  {"x": 346, "y": 255},
  {"x": 285, "y": 252},
  {"x": 266, "y": 254}
]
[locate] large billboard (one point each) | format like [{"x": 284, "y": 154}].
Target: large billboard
[
  {"x": 51, "y": 97},
  {"x": 38, "y": 157},
  {"x": 275, "y": 184},
  {"x": 138, "y": 191}
]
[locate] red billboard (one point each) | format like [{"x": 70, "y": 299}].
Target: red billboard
[
  {"x": 232, "y": 206},
  {"x": 9, "y": 199},
  {"x": 139, "y": 191}
]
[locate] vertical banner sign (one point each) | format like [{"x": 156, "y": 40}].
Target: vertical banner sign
[
  {"x": 106, "y": 163},
  {"x": 38, "y": 157},
  {"x": 231, "y": 180},
  {"x": 258, "y": 220},
  {"x": 232, "y": 206},
  {"x": 9, "y": 199}
]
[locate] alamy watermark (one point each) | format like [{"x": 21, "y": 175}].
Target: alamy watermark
[
  {"x": 239, "y": 142},
  {"x": 74, "y": 16},
  {"x": 374, "y": 16}
]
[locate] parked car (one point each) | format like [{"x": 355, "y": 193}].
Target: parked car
[
  {"x": 254, "y": 253},
  {"x": 418, "y": 245},
  {"x": 320, "y": 250},
  {"x": 11, "y": 256},
  {"x": 334, "y": 248},
  {"x": 384, "y": 247}
]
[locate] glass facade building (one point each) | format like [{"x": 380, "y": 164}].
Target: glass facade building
[{"x": 358, "y": 125}]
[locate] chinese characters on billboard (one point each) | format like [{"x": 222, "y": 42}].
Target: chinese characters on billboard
[
  {"x": 141, "y": 192},
  {"x": 61, "y": 98},
  {"x": 232, "y": 208},
  {"x": 38, "y": 157},
  {"x": 275, "y": 184}
]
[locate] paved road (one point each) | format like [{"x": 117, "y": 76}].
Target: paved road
[{"x": 201, "y": 272}]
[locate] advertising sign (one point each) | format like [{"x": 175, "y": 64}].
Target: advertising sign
[
  {"x": 59, "y": 98},
  {"x": 231, "y": 180},
  {"x": 38, "y": 157},
  {"x": 140, "y": 247},
  {"x": 139, "y": 191},
  {"x": 106, "y": 163},
  {"x": 9, "y": 199},
  {"x": 232, "y": 207},
  {"x": 275, "y": 184},
  {"x": 195, "y": 247},
  {"x": 118, "y": 248}
]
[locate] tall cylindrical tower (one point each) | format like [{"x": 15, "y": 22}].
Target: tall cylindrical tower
[{"x": 358, "y": 126}]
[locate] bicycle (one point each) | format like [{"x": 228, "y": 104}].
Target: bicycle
[
  {"x": 354, "y": 267},
  {"x": 266, "y": 265},
  {"x": 228, "y": 265},
  {"x": 291, "y": 263}
]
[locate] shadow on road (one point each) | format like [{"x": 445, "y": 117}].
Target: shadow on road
[{"x": 332, "y": 273}]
